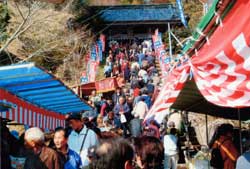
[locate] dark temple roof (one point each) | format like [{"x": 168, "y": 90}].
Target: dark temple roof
[{"x": 141, "y": 13}]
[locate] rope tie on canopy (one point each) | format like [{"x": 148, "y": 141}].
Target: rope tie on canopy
[
  {"x": 196, "y": 40},
  {"x": 193, "y": 39},
  {"x": 200, "y": 32},
  {"x": 207, "y": 39},
  {"x": 204, "y": 35},
  {"x": 196, "y": 52},
  {"x": 190, "y": 72},
  {"x": 218, "y": 19}
]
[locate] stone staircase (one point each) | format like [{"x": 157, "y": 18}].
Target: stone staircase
[{"x": 157, "y": 65}]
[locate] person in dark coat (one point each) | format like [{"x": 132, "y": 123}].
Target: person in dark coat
[
  {"x": 69, "y": 158},
  {"x": 116, "y": 95},
  {"x": 107, "y": 107},
  {"x": 42, "y": 157},
  {"x": 122, "y": 110}
]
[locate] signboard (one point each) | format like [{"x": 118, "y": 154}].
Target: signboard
[
  {"x": 105, "y": 85},
  {"x": 164, "y": 59}
]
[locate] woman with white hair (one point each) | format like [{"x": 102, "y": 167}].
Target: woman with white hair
[{"x": 41, "y": 157}]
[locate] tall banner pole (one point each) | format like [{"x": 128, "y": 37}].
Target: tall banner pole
[
  {"x": 182, "y": 15},
  {"x": 170, "y": 42},
  {"x": 179, "y": 42}
]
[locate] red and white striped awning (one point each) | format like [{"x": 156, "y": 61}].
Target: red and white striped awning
[
  {"x": 221, "y": 68},
  {"x": 29, "y": 114},
  {"x": 38, "y": 98},
  {"x": 169, "y": 92}
]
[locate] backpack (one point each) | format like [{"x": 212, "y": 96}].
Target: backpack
[{"x": 216, "y": 158}]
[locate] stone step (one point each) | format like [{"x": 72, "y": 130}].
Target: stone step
[{"x": 157, "y": 65}]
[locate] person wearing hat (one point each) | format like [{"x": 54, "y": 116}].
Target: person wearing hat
[{"x": 81, "y": 138}]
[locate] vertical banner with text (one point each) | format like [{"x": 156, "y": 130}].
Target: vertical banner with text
[
  {"x": 92, "y": 70},
  {"x": 159, "y": 47}
]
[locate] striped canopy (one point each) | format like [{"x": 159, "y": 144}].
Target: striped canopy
[
  {"x": 37, "y": 96},
  {"x": 220, "y": 69}
]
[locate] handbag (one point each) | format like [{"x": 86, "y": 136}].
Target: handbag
[{"x": 123, "y": 118}]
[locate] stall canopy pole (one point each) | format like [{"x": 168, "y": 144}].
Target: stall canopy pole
[
  {"x": 206, "y": 128},
  {"x": 170, "y": 42},
  {"x": 80, "y": 91},
  {"x": 239, "y": 116}
]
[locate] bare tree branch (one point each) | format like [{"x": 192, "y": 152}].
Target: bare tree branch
[
  {"x": 40, "y": 35},
  {"x": 13, "y": 37},
  {"x": 18, "y": 9},
  {"x": 11, "y": 60}
]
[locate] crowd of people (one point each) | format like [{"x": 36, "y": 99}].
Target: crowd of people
[
  {"x": 134, "y": 68},
  {"x": 115, "y": 134},
  {"x": 79, "y": 147}
]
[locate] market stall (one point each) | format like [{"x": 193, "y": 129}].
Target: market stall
[
  {"x": 215, "y": 78},
  {"x": 37, "y": 98},
  {"x": 101, "y": 86},
  {"x": 219, "y": 70}
]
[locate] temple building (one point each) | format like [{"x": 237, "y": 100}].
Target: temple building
[{"x": 127, "y": 22}]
